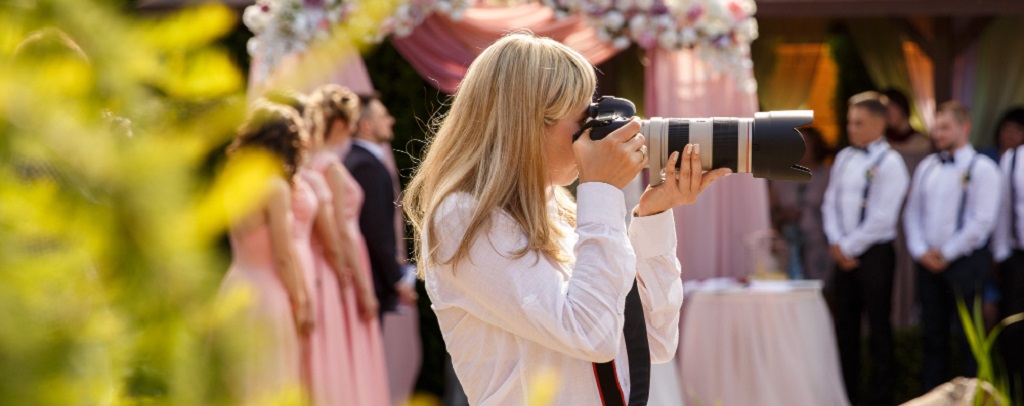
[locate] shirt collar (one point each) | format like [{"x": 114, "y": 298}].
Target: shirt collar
[
  {"x": 959, "y": 157},
  {"x": 964, "y": 154},
  {"x": 375, "y": 149},
  {"x": 875, "y": 145}
]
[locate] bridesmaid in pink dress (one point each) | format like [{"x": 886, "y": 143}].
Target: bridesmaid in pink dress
[
  {"x": 265, "y": 265},
  {"x": 305, "y": 204},
  {"x": 332, "y": 113}
]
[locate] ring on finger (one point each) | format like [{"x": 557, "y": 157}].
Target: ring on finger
[{"x": 643, "y": 154}]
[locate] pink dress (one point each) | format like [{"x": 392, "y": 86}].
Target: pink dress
[
  {"x": 268, "y": 365},
  {"x": 304, "y": 209},
  {"x": 338, "y": 381},
  {"x": 366, "y": 345}
]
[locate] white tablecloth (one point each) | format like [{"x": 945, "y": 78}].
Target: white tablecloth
[{"x": 770, "y": 345}]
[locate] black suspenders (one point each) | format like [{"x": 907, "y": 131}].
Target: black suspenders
[
  {"x": 1013, "y": 200},
  {"x": 963, "y": 192},
  {"x": 867, "y": 186},
  {"x": 864, "y": 195}
]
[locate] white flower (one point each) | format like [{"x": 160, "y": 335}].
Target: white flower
[
  {"x": 637, "y": 23},
  {"x": 443, "y": 7},
  {"x": 665, "y": 21},
  {"x": 624, "y": 4},
  {"x": 746, "y": 31},
  {"x": 603, "y": 35},
  {"x": 253, "y": 46},
  {"x": 668, "y": 40},
  {"x": 613, "y": 20},
  {"x": 620, "y": 43},
  {"x": 644, "y": 4},
  {"x": 688, "y": 36},
  {"x": 715, "y": 27},
  {"x": 255, "y": 18}
]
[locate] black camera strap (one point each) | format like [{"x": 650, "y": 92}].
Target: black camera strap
[
  {"x": 588, "y": 125},
  {"x": 634, "y": 330}
]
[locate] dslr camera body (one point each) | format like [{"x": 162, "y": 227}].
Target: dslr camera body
[{"x": 768, "y": 146}]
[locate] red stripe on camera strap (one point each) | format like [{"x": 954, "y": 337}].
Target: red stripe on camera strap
[{"x": 634, "y": 330}]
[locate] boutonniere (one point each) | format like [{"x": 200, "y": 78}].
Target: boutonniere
[
  {"x": 870, "y": 173},
  {"x": 966, "y": 178}
]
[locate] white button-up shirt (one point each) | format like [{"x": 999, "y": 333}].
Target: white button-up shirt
[
  {"x": 518, "y": 327},
  {"x": 878, "y": 169},
  {"x": 934, "y": 205},
  {"x": 1003, "y": 242}
]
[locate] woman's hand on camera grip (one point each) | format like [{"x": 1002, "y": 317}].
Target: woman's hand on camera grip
[
  {"x": 614, "y": 160},
  {"x": 681, "y": 186}
]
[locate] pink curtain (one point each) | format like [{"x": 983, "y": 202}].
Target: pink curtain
[
  {"x": 305, "y": 73},
  {"x": 441, "y": 49},
  {"x": 711, "y": 231}
]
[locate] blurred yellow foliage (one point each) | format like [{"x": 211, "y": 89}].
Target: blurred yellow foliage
[{"x": 111, "y": 220}]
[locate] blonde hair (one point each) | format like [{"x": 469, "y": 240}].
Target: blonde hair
[
  {"x": 327, "y": 104},
  {"x": 961, "y": 114},
  {"x": 491, "y": 144}
]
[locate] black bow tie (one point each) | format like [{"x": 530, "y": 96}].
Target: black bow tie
[{"x": 946, "y": 158}]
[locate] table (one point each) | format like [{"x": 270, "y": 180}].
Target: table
[{"x": 768, "y": 344}]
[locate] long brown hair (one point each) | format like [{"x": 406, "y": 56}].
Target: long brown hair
[
  {"x": 277, "y": 129},
  {"x": 327, "y": 104}
]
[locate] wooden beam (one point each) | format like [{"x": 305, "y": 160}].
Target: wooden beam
[
  {"x": 943, "y": 59},
  {"x": 880, "y": 8},
  {"x": 965, "y": 37},
  {"x": 925, "y": 42}
]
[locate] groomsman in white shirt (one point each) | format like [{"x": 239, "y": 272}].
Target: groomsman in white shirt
[
  {"x": 861, "y": 207},
  {"x": 1008, "y": 250},
  {"x": 950, "y": 214}
]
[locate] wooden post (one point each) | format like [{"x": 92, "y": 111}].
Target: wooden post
[{"x": 943, "y": 57}]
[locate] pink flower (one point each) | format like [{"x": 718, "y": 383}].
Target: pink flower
[
  {"x": 695, "y": 12},
  {"x": 736, "y": 9},
  {"x": 647, "y": 40}
]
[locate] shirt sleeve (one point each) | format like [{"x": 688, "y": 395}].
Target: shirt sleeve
[
  {"x": 529, "y": 296},
  {"x": 913, "y": 213},
  {"x": 982, "y": 207},
  {"x": 885, "y": 198},
  {"x": 829, "y": 216},
  {"x": 661, "y": 290},
  {"x": 1001, "y": 248}
]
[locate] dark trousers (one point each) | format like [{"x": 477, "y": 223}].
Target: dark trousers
[
  {"x": 1011, "y": 340},
  {"x": 964, "y": 278},
  {"x": 866, "y": 289}
]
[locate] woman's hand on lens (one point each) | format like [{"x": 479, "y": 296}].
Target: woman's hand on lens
[
  {"x": 614, "y": 160},
  {"x": 681, "y": 186}
]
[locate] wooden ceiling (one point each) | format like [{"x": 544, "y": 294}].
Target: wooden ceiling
[{"x": 888, "y": 8}]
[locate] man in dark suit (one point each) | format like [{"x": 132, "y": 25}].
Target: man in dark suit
[{"x": 366, "y": 161}]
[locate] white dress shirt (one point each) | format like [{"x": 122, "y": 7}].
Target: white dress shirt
[
  {"x": 515, "y": 327},
  {"x": 844, "y": 197},
  {"x": 1003, "y": 239},
  {"x": 934, "y": 205}
]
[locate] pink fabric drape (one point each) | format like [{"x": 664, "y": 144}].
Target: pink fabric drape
[
  {"x": 441, "y": 49},
  {"x": 304, "y": 74},
  {"x": 711, "y": 231}
]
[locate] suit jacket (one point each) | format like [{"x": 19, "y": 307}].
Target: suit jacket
[{"x": 377, "y": 222}]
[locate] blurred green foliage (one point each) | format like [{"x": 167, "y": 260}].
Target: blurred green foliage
[{"x": 108, "y": 278}]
